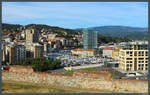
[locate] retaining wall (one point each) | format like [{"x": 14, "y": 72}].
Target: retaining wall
[{"x": 79, "y": 79}]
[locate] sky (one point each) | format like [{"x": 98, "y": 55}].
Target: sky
[{"x": 76, "y": 14}]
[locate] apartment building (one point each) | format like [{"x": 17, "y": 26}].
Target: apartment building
[
  {"x": 133, "y": 56},
  {"x": 12, "y": 54},
  {"x": 38, "y": 50},
  {"x": 20, "y": 53},
  {"x": 115, "y": 54},
  {"x": 32, "y": 36}
]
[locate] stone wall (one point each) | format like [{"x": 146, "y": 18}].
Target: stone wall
[{"x": 79, "y": 79}]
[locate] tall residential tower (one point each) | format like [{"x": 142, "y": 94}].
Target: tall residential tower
[
  {"x": 32, "y": 36},
  {"x": 89, "y": 39}
]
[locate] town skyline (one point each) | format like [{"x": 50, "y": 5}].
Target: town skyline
[
  {"x": 75, "y": 47},
  {"x": 85, "y": 15}
]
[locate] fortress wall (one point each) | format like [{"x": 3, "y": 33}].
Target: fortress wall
[{"x": 79, "y": 79}]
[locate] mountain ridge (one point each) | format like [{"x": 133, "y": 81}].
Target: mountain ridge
[{"x": 132, "y": 33}]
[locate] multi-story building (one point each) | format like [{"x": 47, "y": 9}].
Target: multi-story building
[
  {"x": 38, "y": 50},
  {"x": 23, "y": 34},
  {"x": 17, "y": 53},
  {"x": 3, "y": 55},
  {"x": 133, "y": 56},
  {"x": 12, "y": 54},
  {"x": 107, "y": 52},
  {"x": 84, "y": 52},
  {"x": 89, "y": 39},
  {"x": 20, "y": 53},
  {"x": 115, "y": 54},
  {"x": 32, "y": 36}
]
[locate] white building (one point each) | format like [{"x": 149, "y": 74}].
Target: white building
[
  {"x": 8, "y": 39},
  {"x": 107, "y": 52}
]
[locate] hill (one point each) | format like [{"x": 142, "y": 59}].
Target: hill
[
  {"x": 103, "y": 37},
  {"x": 67, "y": 33},
  {"x": 133, "y": 33}
]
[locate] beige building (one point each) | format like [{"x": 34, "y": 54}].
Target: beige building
[
  {"x": 32, "y": 36},
  {"x": 51, "y": 36},
  {"x": 84, "y": 52},
  {"x": 12, "y": 54},
  {"x": 37, "y": 51},
  {"x": 133, "y": 56},
  {"x": 3, "y": 55},
  {"x": 115, "y": 54}
]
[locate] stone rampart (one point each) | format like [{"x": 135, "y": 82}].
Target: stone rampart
[{"x": 79, "y": 79}]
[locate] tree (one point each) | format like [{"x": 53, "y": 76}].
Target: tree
[{"x": 100, "y": 51}]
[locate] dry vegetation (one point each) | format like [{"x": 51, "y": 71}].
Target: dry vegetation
[{"x": 16, "y": 87}]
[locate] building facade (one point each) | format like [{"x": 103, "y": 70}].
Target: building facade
[
  {"x": 12, "y": 54},
  {"x": 89, "y": 39},
  {"x": 133, "y": 56},
  {"x": 20, "y": 53},
  {"x": 107, "y": 52},
  {"x": 32, "y": 36},
  {"x": 38, "y": 51},
  {"x": 115, "y": 54},
  {"x": 17, "y": 53},
  {"x": 84, "y": 52}
]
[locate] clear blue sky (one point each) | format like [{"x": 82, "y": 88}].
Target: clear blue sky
[{"x": 76, "y": 14}]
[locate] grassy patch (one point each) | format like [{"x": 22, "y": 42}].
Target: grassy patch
[
  {"x": 15, "y": 87},
  {"x": 30, "y": 88},
  {"x": 115, "y": 76},
  {"x": 69, "y": 72},
  {"x": 86, "y": 69},
  {"x": 90, "y": 69}
]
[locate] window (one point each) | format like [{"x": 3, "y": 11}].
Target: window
[
  {"x": 146, "y": 64},
  {"x": 127, "y": 52},
  {"x": 129, "y": 58},
  {"x": 127, "y": 69},
  {"x": 141, "y": 58},
  {"x": 139, "y": 53},
  {"x": 139, "y": 65},
  {"x": 127, "y": 65},
  {"x": 146, "y": 53},
  {"x": 142, "y": 53}
]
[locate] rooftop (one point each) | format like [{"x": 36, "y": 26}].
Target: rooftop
[
  {"x": 84, "y": 49},
  {"x": 134, "y": 43}
]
